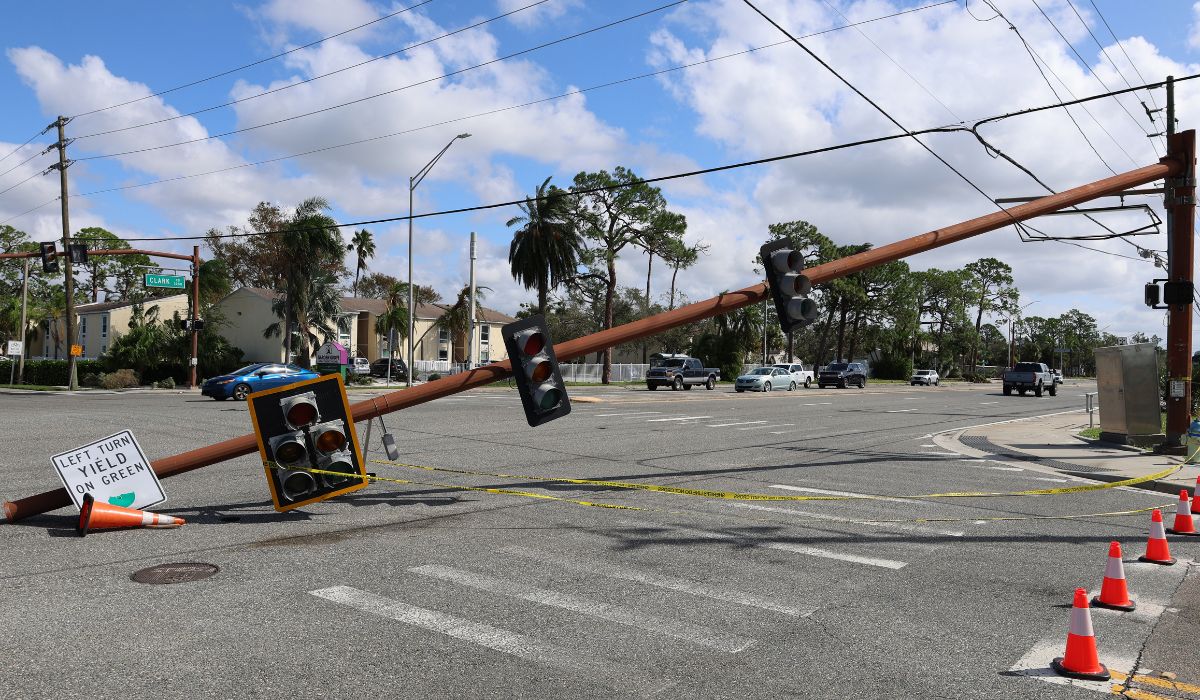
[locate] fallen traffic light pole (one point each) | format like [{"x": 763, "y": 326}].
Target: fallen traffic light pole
[{"x": 1179, "y": 162}]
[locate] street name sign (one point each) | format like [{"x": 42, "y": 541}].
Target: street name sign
[
  {"x": 16, "y": 347},
  {"x": 166, "y": 281},
  {"x": 113, "y": 469}
]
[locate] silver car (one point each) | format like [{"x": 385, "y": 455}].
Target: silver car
[{"x": 765, "y": 379}]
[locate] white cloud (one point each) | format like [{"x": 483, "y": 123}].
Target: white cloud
[
  {"x": 1194, "y": 31},
  {"x": 539, "y": 14}
]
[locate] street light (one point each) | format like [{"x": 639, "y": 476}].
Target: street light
[{"x": 412, "y": 185}]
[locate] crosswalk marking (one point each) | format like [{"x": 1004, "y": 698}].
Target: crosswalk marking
[
  {"x": 670, "y": 583},
  {"x": 660, "y": 420},
  {"x": 823, "y": 403},
  {"x": 725, "y": 425},
  {"x": 840, "y": 556},
  {"x": 827, "y": 492},
  {"x": 758, "y": 427},
  {"x": 695, "y": 634},
  {"x": 901, "y": 410},
  {"x": 630, "y": 413},
  {"x": 494, "y": 638},
  {"x": 834, "y": 518}
]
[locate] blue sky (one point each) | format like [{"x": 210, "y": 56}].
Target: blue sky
[{"x": 774, "y": 101}]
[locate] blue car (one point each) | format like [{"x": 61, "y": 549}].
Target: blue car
[{"x": 252, "y": 378}]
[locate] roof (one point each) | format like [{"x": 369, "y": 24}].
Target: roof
[
  {"x": 378, "y": 306},
  {"x": 110, "y": 305}
]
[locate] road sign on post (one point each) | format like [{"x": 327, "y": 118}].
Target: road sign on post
[
  {"x": 302, "y": 427},
  {"x": 76, "y": 350},
  {"x": 165, "y": 282},
  {"x": 16, "y": 348}
]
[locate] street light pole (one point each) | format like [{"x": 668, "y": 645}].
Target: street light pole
[{"x": 412, "y": 185}]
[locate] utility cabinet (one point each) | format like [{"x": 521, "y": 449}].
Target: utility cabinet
[{"x": 1127, "y": 380}]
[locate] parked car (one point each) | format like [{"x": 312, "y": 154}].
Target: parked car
[
  {"x": 1030, "y": 375},
  {"x": 360, "y": 365},
  {"x": 843, "y": 374},
  {"x": 379, "y": 368},
  {"x": 1057, "y": 376},
  {"x": 682, "y": 373},
  {"x": 765, "y": 379},
  {"x": 801, "y": 375},
  {"x": 251, "y": 378},
  {"x": 928, "y": 377}
]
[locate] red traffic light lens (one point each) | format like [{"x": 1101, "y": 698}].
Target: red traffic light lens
[
  {"x": 301, "y": 413},
  {"x": 534, "y": 343},
  {"x": 541, "y": 372},
  {"x": 331, "y": 441},
  {"x": 290, "y": 452}
]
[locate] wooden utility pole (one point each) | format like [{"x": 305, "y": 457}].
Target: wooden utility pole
[
  {"x": 194, "y": 362},
  {"x": 69, "y": 280},
  {"x": 1180, "y": 202}
]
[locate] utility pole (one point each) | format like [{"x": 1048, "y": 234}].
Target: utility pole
[
  {"x": 471, "y": 331},
  {"x": 69, "y": 282},
  {"x": 1180, "y": 202},
  {"x": 24, "y": 297},
  {"x": 194, "y": 362}
]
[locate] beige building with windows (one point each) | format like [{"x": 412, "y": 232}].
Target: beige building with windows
[
  {"x": 97, "y": 325},
  {"x": 247, "y": 312}
]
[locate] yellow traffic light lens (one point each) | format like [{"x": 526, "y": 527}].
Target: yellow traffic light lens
[
  {"x": 541, "y": 372},
  {"x": 301, "y": 413},
  {"x": 534, "y": 343},
  {"x": 290, "y": 452},
  {"x": 331, "y": 441}
]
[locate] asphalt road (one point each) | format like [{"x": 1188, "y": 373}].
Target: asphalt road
[{"x": 429, "y": 591}]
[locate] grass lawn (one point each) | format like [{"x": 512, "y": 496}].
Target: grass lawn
[
  {"x": 32, "y": 387},
  {"x": 1094, "y": 433}
]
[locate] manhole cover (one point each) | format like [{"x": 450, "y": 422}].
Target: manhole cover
[{"x": 174, "y": 573}]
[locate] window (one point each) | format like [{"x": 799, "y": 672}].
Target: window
[
  {"x": 444, "y": 335},
  {"x": 104, "y": 326},
  {"x": 103, "y": 349},
  {"x": 485, "y": 333},
  {"x": 83, "y": 326},
  {"x": 443, "y": 354}
]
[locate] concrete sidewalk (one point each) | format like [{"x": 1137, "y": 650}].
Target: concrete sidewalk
[{"x": 1052, "y": 444}]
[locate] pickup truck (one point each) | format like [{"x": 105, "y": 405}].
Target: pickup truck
[
  {"x": 682, "y": 373},
  {"x": 1029, "y": 375},
  {"x": 800, "y": 375}
]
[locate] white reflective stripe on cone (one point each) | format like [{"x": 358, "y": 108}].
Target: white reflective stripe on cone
[
  {"x": 149, "y": 518},
  {"x": 1157, "y": 532},
  {"x": 1183, "y": 507},
  {"x": 1081, "y": 622},
  {"x": 1114, "y": 568}
]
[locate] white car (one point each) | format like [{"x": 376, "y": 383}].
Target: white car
[
  {"x": 928, "y": 377},
  {"x": 802, "y": 376},
  {"x": 360, "y": 365},
  {"x": 765, "y": 379}
]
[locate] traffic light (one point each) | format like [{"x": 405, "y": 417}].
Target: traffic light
[
  {"x": 789, "y": 285},
  {"x": 304, "y": 430},
  {"x": 543, "y": 393},
  {"x": 49, "y": 257},
  {"x": 78, "y": 253}
]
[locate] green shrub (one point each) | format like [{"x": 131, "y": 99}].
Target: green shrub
[
  {"x": 121, "y": 379},
  {"x": 892, "y": 367},
  {"x": 433, "y": 377},
  {"x": 165, "y": 383},
  {"x": 91, "y": 379},
  {"x": 359, "y": 379},
  {"x": 54, "y": 372}
]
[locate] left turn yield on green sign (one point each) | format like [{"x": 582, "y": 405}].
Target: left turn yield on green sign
[{"x": 113, "y": 469}]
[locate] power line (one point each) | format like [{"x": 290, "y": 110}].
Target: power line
[
  {"x": 35, "y": 155},
  {"x": 29, "y": 211},
  {"x": 1089, "y": 67},
  {"x": 498, "y": 110},
  {"x": 1122, "y": 47},
  {"x": 252, "y": 64},
  {"x": 27, "y": 142},
  {"x": 314, "y": 78},
  {"x": 389, "y": 92}
]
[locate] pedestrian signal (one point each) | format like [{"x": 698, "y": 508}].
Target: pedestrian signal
[
  {"x": 789, "y": 285},
  {"x": 543, "y": 393},
  {"x": 304, "y": 431}
]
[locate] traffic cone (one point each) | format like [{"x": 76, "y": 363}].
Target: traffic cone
[
  {"x": 1114, "y": 595},
  {"x": 104, "y": 516},
  {"x": 1081, "y": 660},
  {"x": 1183, "y": 517},
  {"x": 1157, "y": 551}
]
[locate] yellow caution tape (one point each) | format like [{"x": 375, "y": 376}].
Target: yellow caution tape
[
  {"x": 736, "y": 496},
  {"x": 739, "y": 516}
]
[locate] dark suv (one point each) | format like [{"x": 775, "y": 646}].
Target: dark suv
[
  {"x": 843, "y": 374},
  {"x": 379, "y": 368}
]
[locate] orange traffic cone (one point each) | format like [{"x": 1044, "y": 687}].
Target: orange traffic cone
[
  {"x": 1081, "y": 660},
  {"x": 1113, "y": 592},
  {"x": 1183, "y": 517},
  {"x": 1157, "y": 551},
  {"x": 103, "y": 516}
]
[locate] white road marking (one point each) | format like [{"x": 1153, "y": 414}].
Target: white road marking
[
  {"x": 913, "y": 398},
  {"x": 826, "y": 554},
  {"x": 901, "y": 410},
  {"x": 827, "y": 492},
  {"x": 942, "y": 454},
  {"x": 631, "y": 413},
  {"x": 824, "y": 403},
  {"x": 687, "y": 632},
  {"x": 929, "y": 445},
  {"x": 985, "y": 403},
  {"x": 674, "y": 584},
  {"x": 725, "y": 425},
  {"x": 822, "y": 516},
  {"x": 661, "y": 420},
  {"x": 756, "y": 427},
  {"x": 493, "y": 638}
]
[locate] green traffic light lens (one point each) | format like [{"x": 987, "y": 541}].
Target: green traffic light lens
[
  {"x": 290, "y": 452},
  {"x": 297, "y": 484},
  {"x": 338, "y": 466},
  {"x": 550, "y": 399}
]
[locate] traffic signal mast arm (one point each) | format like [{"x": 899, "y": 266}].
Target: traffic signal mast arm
[{"x": 721, "y": 304}]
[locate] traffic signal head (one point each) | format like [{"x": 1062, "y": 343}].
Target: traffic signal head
[
  {"x": 78, "y": 253},
  {"x": 305, "y": 430},
  {"x": 543, "y": 393},
  {"x": 789, "y": 285},
  {"x": 49, "y": 257}
]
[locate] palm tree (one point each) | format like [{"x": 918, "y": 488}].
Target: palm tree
[
  {"x": 457, "y": 320},
  {"x": 545, "y": 251},
  {"x": 395, "y": 317},
  {"x": 363, "y": 246}
]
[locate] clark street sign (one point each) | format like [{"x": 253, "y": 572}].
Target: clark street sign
[{"x": 165, "y": 281}]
